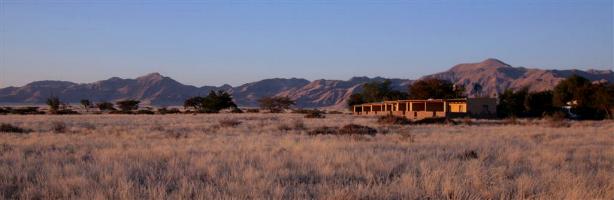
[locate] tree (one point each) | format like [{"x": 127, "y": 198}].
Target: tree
[
  {"x": 477, "y": 89},
  {"x": 512, "y": 104},
  {"x": 375, "y": 91},
  {"x": 538, "y": 104},
  {"x": 276, "y": 104},
  {"x": 355, "y": 99},
  {"x": 128, "y": 105},
  {"x": 434, "y": 89},
  {"x": 212, "y": 103},
  {"x": 587, "y": 100},
  {"x": 218, "y": 100},
  {"x": 194, "y": 102},
  {"x": 105, "y": 106},
  {"x": 54, "y": 104},
  {"x": 604, "y": 99},
  {"x": 571, "y": 89},
  {"x": 87, "y": 104}
]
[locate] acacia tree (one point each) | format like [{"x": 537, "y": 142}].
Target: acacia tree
[
  {"x": 276, "y": 104},
  {"x": 87, "y": 104},
  {"x": 54, "y": 104},
  {"x": 128, "y": 105},
  {"x": 105, "y": 106},
  {"x": 194, "y": 102}
]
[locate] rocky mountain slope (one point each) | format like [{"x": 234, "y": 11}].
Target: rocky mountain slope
[{"x": 493, "y": 75}]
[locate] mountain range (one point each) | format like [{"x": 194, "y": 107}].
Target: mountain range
[{"x": 494, "y": 76}]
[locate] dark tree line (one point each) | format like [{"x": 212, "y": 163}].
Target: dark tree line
[{"x": 575, "y": 97}]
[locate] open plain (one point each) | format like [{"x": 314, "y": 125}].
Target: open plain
[{"x": 263, "y": 156}]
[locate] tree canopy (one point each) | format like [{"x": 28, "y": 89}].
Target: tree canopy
[
  {"x": 212, "y": 103},
  {"x": 434, "y": 89},
  {"x": 276, "y": 104},
  {"x": 128, "y": 105},
  {"x": 374, "y": 92}
]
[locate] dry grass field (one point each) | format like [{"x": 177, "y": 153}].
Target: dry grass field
[{"x": 264, "y": 156}]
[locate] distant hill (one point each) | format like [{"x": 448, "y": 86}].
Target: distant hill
[{"x": 493, "y": 75}]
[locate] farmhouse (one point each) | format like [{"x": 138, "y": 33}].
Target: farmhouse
[{"x": 424, "y": 108}]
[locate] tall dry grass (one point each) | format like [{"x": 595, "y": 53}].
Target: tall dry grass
[{"x": 271, "y": 156}]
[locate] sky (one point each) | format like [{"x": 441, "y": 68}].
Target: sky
[{"x": 235, "y": 42}]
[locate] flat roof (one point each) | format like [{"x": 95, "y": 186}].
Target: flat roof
[{"x": 413, "y": 100}]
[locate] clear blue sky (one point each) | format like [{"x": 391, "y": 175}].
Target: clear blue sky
[{"x": 216, "y": 42}]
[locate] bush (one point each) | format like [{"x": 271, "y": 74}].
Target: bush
[
  {"x": 334, "y": 112},
  {"x": 284, "y": 127},
  {"x": 391, "y": 119},
  {"x": 120, "y": 112},
  {"x": 128, "y": 105},
  {"x": 164, "y": 111},
  {"x": 9, "y": 128},
  {"x": 357, "y": 129},
  {"x": 350, "y": 129},
  {"x": 229, "y": 123},
  {"x": 58, "y": 127},
  {"x": 253, "y": 110},
  {"x": 467, "y": 155},
  {"x": 4, "y": 111},
  {"x": 236, "y": 110},
  {"x": 557, "y": 119},
  {"x": 433, "y": 120},
  {"x": 315, "y": 114},
  {"x": 296, "y": 125},
  {"x": 66, "y": 112},
  {"x": 105, "y": 106},
  {"x": 145, "y": 112},
  {"x": 324, "y": 130},
  {"x": 25, "y": 111}
]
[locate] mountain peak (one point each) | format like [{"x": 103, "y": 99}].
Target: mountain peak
[
  {"x": 493, "y": 62},
  {"x": 152, "y": 75}
]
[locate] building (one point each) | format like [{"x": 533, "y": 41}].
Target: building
[{"x": 420, "y": 109}]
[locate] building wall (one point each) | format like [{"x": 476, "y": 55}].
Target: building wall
[{"x": 482, "y": 107}]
